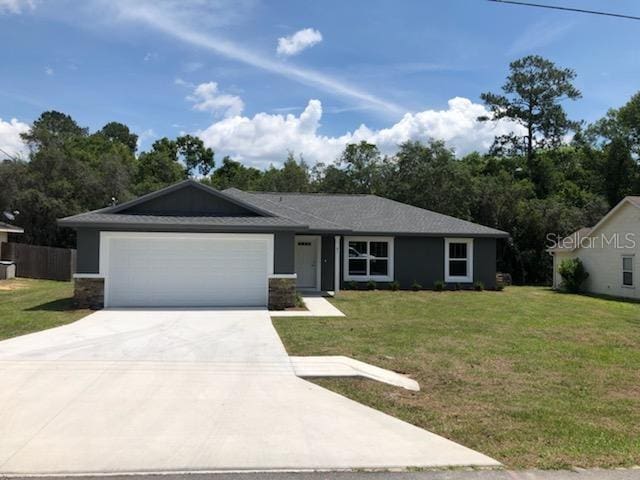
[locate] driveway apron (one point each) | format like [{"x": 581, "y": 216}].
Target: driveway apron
[{"x": 187, "y": 390}]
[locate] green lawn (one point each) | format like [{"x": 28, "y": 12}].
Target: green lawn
[
  {"x": 28, "y": 305},
  {"x": 528, "y": 376}
]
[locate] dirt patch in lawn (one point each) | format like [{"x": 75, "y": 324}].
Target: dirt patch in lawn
[{"x": 13, "y": 284}]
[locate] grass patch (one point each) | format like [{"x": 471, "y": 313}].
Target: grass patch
[
  {"x": 528, "y": 376},
  {"x": 28, "y": 305}
]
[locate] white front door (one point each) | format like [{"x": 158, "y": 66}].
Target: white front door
[{"x": 307, "y": 253}]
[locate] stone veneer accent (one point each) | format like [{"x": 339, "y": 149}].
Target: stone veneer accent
[
  {"x": 282, "y": 293},
  {"x": 88, "y": 293}
]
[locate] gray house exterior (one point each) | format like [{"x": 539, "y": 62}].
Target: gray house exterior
[{"x": 191, "y": 245}]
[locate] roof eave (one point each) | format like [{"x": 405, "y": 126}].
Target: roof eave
[
  {"x": 384, "y": 233},
  {"x": 178, "y": 227}
]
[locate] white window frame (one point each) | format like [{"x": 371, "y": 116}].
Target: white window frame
[
  {"x": 633, "y": 280},
  {"x": 368, "y": 277},
  {"x": 458, "y": 278}
]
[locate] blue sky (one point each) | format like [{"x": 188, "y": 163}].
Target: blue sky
[{"x": 212, "y": 68}]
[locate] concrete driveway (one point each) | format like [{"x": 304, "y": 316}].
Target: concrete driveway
[{"x": 187, "y": 390}]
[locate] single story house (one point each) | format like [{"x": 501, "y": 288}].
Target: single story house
[
  {"x": 6, "y": 229},
  {"x": 610, "y": 251},
  {"x": 191, "y": 245}
]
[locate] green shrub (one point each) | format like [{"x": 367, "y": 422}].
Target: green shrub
[
  {"x": 499, "y": 286},
  {"x": 352, "y": 285},
  {"x": 299, "y": 303},
  {"x": 371, "y": 285},
  {"x": 415, "y": 286},
  {"x": 395, "y": 286},
  {"x": 478, "y": 286},
  {"x": 573, "y": 274},
  {"x": 438, "y": 285}
]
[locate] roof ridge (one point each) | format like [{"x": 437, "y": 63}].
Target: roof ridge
[
  {"x": 259, "y": 192},
  {"x": 301, "y": 212}
]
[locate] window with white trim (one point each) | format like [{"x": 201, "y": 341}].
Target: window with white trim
[
  {"x": 368, "y": 258},
  {"x": 458, "y": 260},
  {"x": 627, "y": 271}
]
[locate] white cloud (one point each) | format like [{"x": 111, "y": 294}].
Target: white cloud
[
  {"x": 299, "y": 41},
  {"x": 266, "y": 138},
  {"x": 151, "y": 56},
  {"x": 183, "y": 83},
  {"x": 539, "y": 35},
  {"x": 49, "y": 71},
  {"x": 145, "y": 137},
  {"x": 183, "y": 20},
  {"x": 207, "y": 98},
  {"x": 16, "y": 6},
  {"x": 191, "y": 67},
  {"x": 10, "y": 142}
]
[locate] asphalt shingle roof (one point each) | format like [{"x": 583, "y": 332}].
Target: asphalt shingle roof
[
  {"x": 340, "y": 214},
  {"x": 361, "y": 214},
  {"x": 6, "y": 227}
]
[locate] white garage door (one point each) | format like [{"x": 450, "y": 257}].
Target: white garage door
[{"x": 185, "y": 270}]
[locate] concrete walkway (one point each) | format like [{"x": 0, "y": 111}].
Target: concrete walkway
[
  {"x": 317, "y": 306},
  {"x": 340, "y": 366},
  {"x": 187, "y": 390},
  {"x": 336, "y": 365}
]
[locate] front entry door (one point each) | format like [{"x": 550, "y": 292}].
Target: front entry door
[{"x": 307, "y": 262}]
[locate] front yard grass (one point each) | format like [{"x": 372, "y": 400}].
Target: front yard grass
[
  {"x": 528, "y": 376},
  {"x": 28, "y": 305}
]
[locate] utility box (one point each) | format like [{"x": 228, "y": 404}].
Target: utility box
[{"x": 7, "y": 270}]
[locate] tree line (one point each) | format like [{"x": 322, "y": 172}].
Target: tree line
[{"x": 558, "y": 176}]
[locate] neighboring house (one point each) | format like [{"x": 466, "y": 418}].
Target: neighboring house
[
  {"x": 6, "y": 229},
  {"x": 191, "y": 245},
  {"x": 610, "y": 251}
]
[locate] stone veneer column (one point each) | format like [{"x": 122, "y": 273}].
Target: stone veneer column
[
  {"x": 282, "y": 291},
  {"x": 88, "y": 292}
]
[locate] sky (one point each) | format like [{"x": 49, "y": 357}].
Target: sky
[{"x": 256, "y": 79}]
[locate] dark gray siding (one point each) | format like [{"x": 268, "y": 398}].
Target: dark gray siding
[
  {"x": 284, "y": 252},
  {"x": 327, "y": 262},
  {"x": 421, "y": 259},
  {"x": 188, "y": 202},
  {"x": 484, "y": 261},
  {"x": 418, "y": 259},
  {"x": 88, "y": 251}
]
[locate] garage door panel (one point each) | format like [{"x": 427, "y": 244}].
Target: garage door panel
[{"x": 220, "y": 271}]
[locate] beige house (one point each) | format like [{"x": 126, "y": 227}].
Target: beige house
[
  {"x": 6, "y": 229},
  {"x": 610, "y": 252}
]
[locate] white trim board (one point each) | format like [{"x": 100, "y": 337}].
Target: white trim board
[
  {"x": 336, "y": 264},
  {"x": 88, "y": 275},
  {"x": 284, "y": 275}
]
